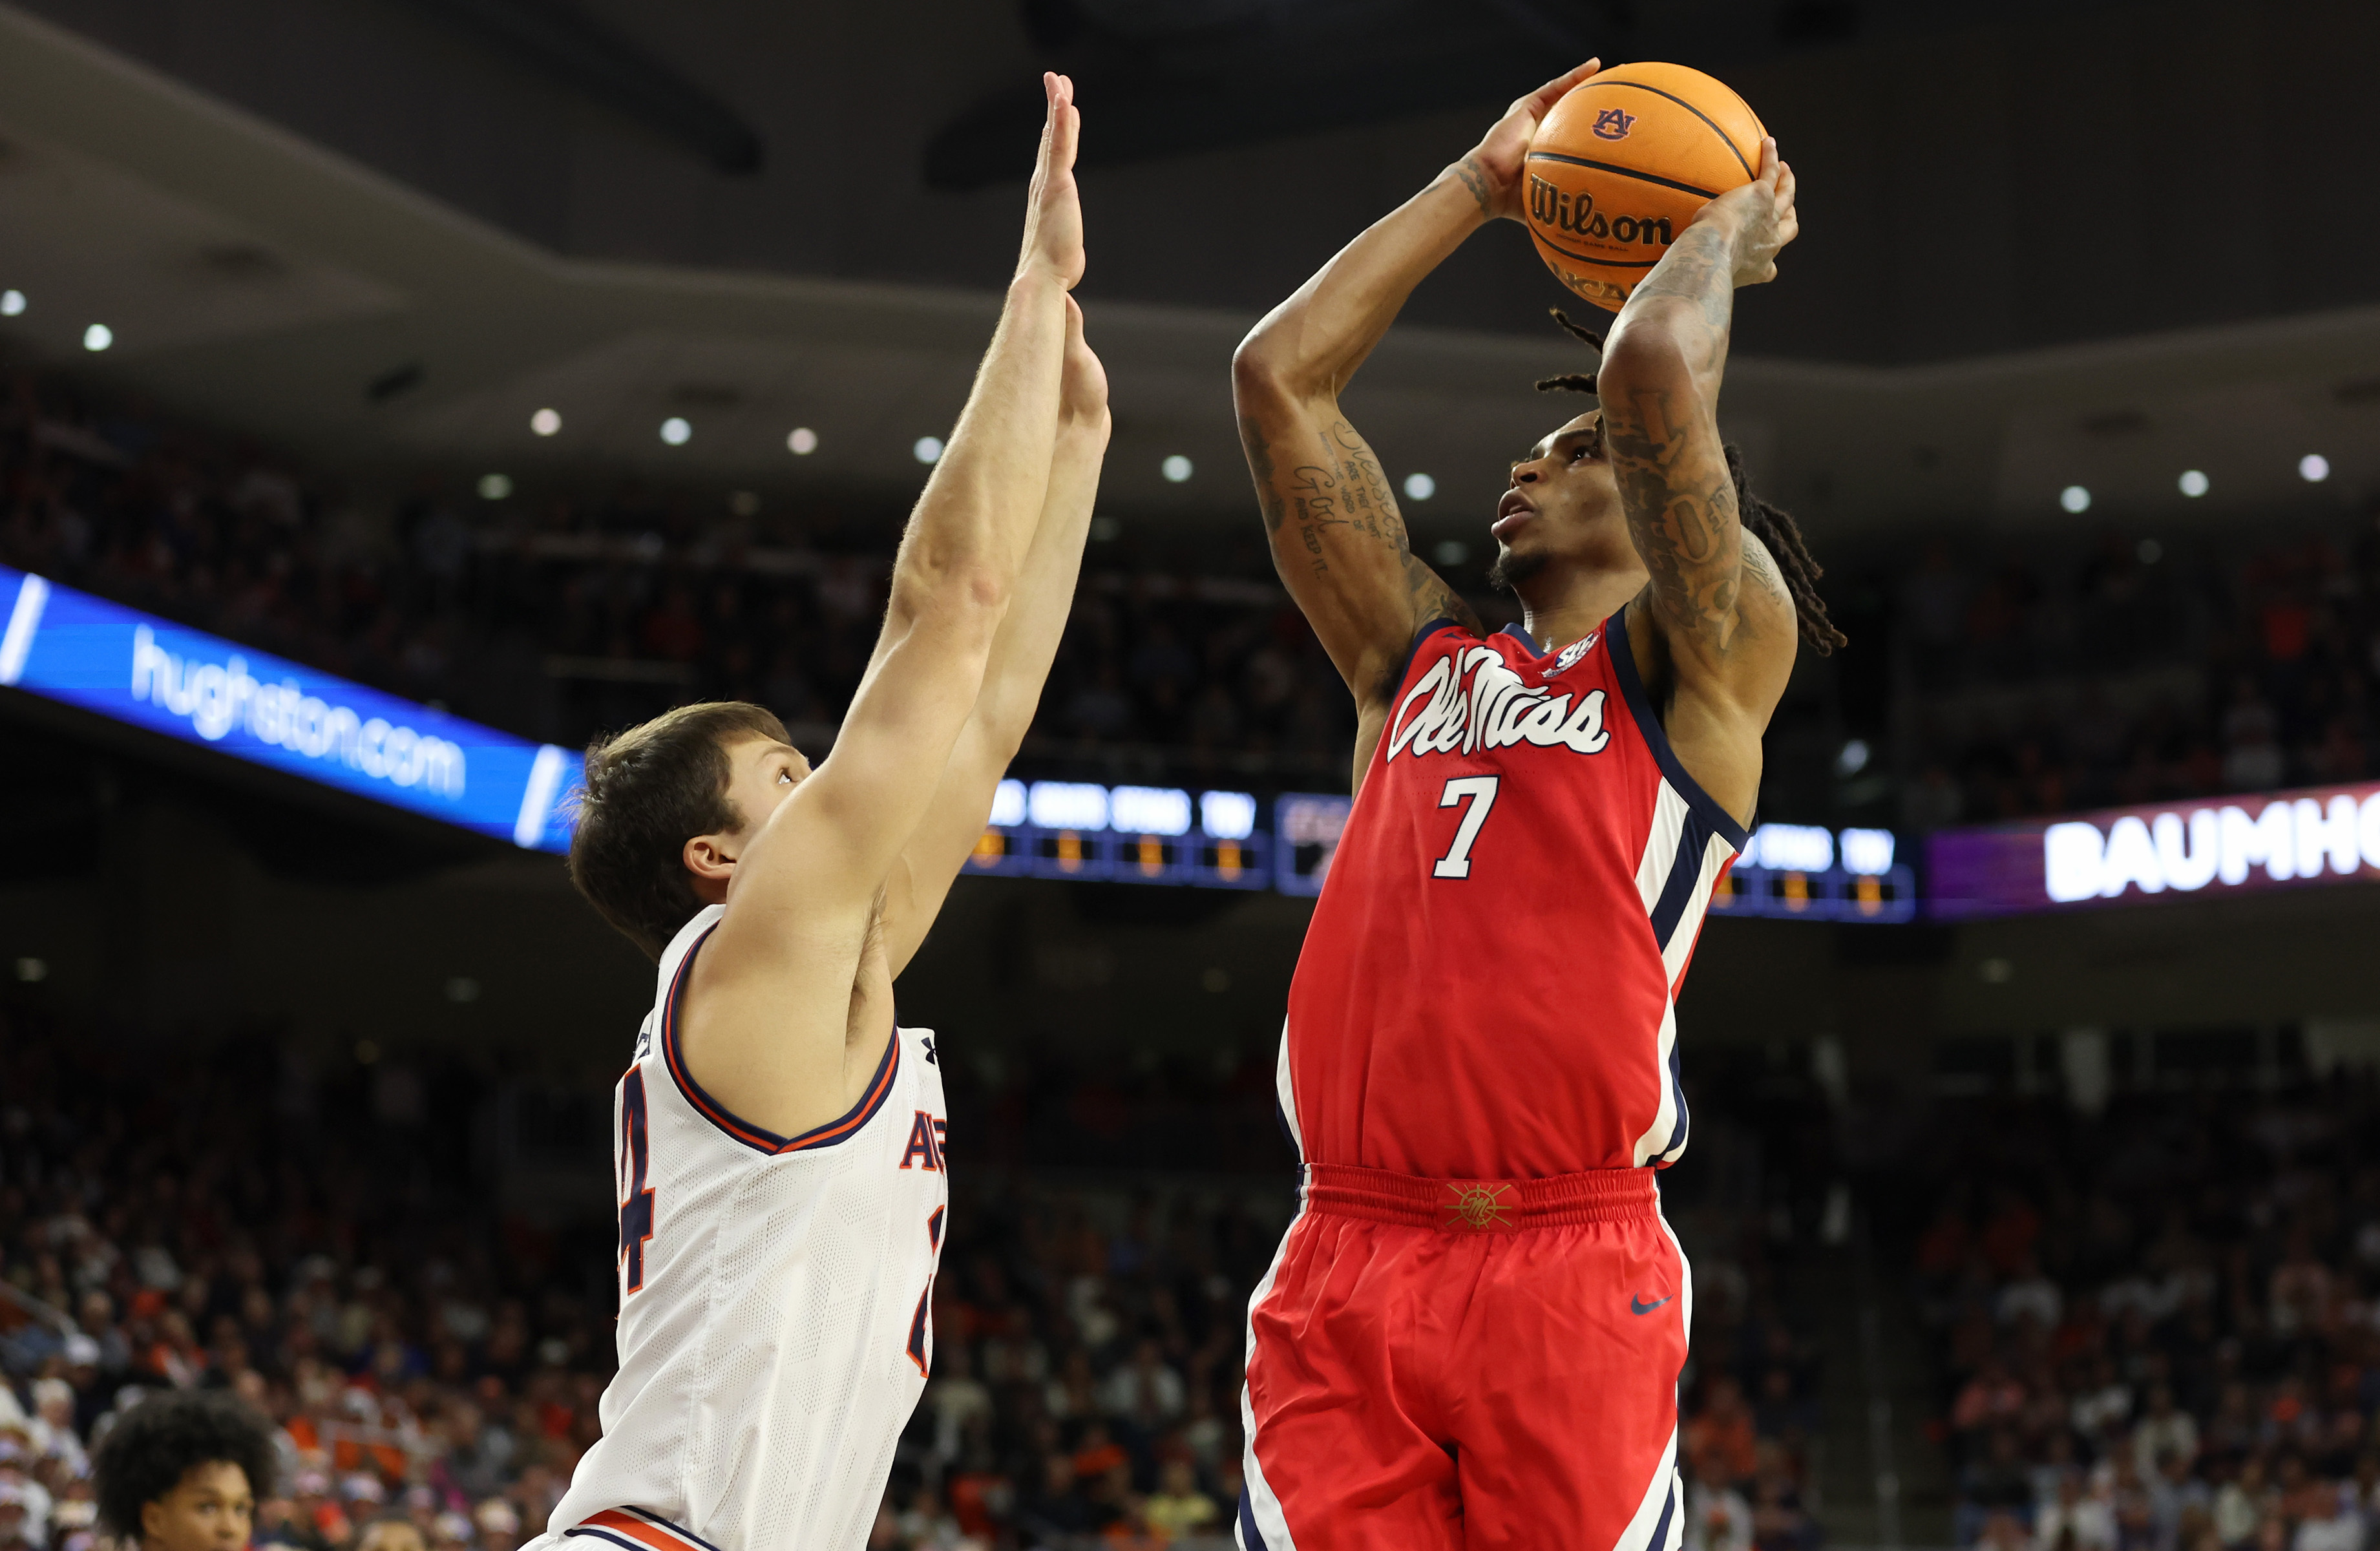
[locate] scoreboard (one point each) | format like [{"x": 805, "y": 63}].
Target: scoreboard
[
  {"x": 1811, "y": 873},
  {"x": 1124, "y": 834}
]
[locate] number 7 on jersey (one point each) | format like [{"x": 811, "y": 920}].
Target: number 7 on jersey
[{"x": 1479, "y": 792}]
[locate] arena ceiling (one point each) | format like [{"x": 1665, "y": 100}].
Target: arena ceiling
[{"x": 385, "y": 232}]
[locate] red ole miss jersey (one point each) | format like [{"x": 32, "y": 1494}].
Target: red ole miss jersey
[{"x": 1487, "y": 989}]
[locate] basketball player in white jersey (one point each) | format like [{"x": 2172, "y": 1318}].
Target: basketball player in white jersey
[{"x": 778, "y": 1139}]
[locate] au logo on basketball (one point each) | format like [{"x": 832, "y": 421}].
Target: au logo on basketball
[{"x": 1613, "y": 124}]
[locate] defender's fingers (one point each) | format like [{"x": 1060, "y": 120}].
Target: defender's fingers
[
  {"x": 1065, "y": 124},
  {"x": 1048, "y": 126},
  {"x": 1768, "y": 161},
  {"x": 1785, "y": 186}
]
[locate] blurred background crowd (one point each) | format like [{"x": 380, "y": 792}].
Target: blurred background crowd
[
  {"x": 2158, "y": 1327},
  {"x": 1991, "y": 681}
]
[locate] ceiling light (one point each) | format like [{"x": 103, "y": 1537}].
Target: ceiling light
[
  {"x": 12, "y": 302},
  {"x": 99, "y": 337},
  {"x": 1853, "y": 759},
  {"x": 1450, "y": 551},
  {"x": 1105, "y": 530},
  {"x": 1420, "y": 486},
  {"x": 929, "y": 449},
  {"x": 678, "y": 430},
  {"x": 2074, "y": 498},
  {"x": 2150, "y": 551},
  {"x": 2193, "y": 483},
  {"x": 801, "y": 442},
  {"x": 546, "y": 422},
  {"x": 2313, "y": 468},
  {"x": 1175, "y": 470},
  {"x": 495, "y": 487}
]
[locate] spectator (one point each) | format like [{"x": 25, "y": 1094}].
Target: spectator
[
  {"x": 183, "y": 1471},
  {"x": 1177, "y": 1506}
]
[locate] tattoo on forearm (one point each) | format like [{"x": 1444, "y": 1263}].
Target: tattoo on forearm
[
  {"x": 1681, "y": 511},
  {"x": 1342, "y": 496},
  {"x": 1475, "y": 179},
  {"x": 1698, "y": 268}
]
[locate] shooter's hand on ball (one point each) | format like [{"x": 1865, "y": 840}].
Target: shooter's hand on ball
[
  {"x": 1053, "y": 207},
  {"x": 1492, "y": 169},
  {"x": 1759, "y": 218}
]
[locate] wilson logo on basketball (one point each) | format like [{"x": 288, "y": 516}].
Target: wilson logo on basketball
[
  {"x": 1565, "y": 212},
  {"x": 1612, "y": 124},
  {"x": 1495, "y": 709}
]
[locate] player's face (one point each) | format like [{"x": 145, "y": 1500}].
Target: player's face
[
  {"x": 1562, "y": 506},
  {"x": 762, "y": 773},
  {"x": 209, "y": 1510}
]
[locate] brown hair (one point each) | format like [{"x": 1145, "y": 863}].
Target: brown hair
[
  {"x": 1773, "y": 526},
  {"x": 647, "y": 792}
]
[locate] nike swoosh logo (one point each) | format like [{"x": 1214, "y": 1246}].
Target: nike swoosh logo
[{"x": 1638, "y": 1305}]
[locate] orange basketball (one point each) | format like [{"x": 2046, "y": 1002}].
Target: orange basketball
[{"x": 1621, "y": 165}]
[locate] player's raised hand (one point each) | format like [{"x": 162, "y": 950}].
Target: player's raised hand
[
  {"x": 1083, "y": 386},
  {"x": 1495, "y": 161},
  {"x": 1054, "y": 209},
  {"x": 1761, "y": 216}
]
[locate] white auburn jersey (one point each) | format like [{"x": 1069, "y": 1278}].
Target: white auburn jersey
[{"x": 774, "y": 1304}]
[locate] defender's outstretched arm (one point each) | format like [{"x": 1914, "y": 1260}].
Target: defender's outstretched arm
[
  {"x": 766, "y": 1028},
  {"x": 1021, "y": 656},
  {"x": 1718, "y": 611},
  {"x": 1338, "y": 539},
  {"x": 952, "y": 580}
]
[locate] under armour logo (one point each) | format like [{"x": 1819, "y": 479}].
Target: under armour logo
[
  {"x": 928, "y": 1041},
  {"x": 1613, "y": 124}
]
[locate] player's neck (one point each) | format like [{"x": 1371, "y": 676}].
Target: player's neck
[{"x": 1560, "y": 606}]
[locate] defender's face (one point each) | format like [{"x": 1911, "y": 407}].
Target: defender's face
[
  {"x": 208, "y": 1510},
  {"x": 761, "y": 773},
  {"x": 1563, "y": 503}
]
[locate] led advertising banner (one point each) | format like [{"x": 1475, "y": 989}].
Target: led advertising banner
[
  {"x": 2213, "y": 846},
  {"x": 1123, "y": 834},
  {"x": 85, "y": 651},
  {"x": 1807, "y": 872}
]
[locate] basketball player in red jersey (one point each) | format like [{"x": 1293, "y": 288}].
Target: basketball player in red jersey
[{"x": 1472, "y": 1334}]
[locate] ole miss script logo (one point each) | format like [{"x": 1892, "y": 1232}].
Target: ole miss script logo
[{"x": 1613, "y": 124}]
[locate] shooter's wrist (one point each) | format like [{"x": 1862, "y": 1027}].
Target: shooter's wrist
[{"x": 1477, "y": 195}]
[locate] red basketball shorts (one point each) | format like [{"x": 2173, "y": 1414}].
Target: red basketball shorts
[{"x": 1473, "y": 1363}]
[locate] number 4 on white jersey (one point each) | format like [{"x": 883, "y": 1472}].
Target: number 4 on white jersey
[{"x": 1480, "y": 790}]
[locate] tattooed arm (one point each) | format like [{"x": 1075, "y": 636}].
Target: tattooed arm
[
  {"x": 1337, "y": 538},
  {"x": 1717, "y": 617}
]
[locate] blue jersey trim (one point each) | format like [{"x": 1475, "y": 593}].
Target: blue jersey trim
[
  {"x": 1424, "y": 633},
  {"x": 1656, "y": 738},
  {"x": 759, "y": 1138},
  {"x": 1525, "y": 638}
]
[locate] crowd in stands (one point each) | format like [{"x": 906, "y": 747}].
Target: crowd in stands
[
  {"x": 558, "y": 617},
  {"x": 2138, "y": 673},
  {"x": 2159, "y": 1324},
  {"x": 232, "y": 1216},
  {"x": 2031, "y": 681}
]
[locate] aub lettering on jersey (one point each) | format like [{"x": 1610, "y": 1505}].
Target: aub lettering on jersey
[{"x": 1471, "y": 701}]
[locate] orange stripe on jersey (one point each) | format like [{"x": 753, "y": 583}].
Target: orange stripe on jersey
[
  {"x": 862, "y": 1112},
  {"x": 635, "y": 1529},
  {"x": 742, "y": 1131}
]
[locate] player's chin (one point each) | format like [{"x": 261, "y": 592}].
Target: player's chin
[{"x": 1514, "y": 566}]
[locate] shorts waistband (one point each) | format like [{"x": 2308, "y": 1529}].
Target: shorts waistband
[{"x": 1481, "y": 1206}]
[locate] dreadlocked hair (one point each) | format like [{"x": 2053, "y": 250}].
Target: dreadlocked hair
[{"x": 1774, "y": 526}]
